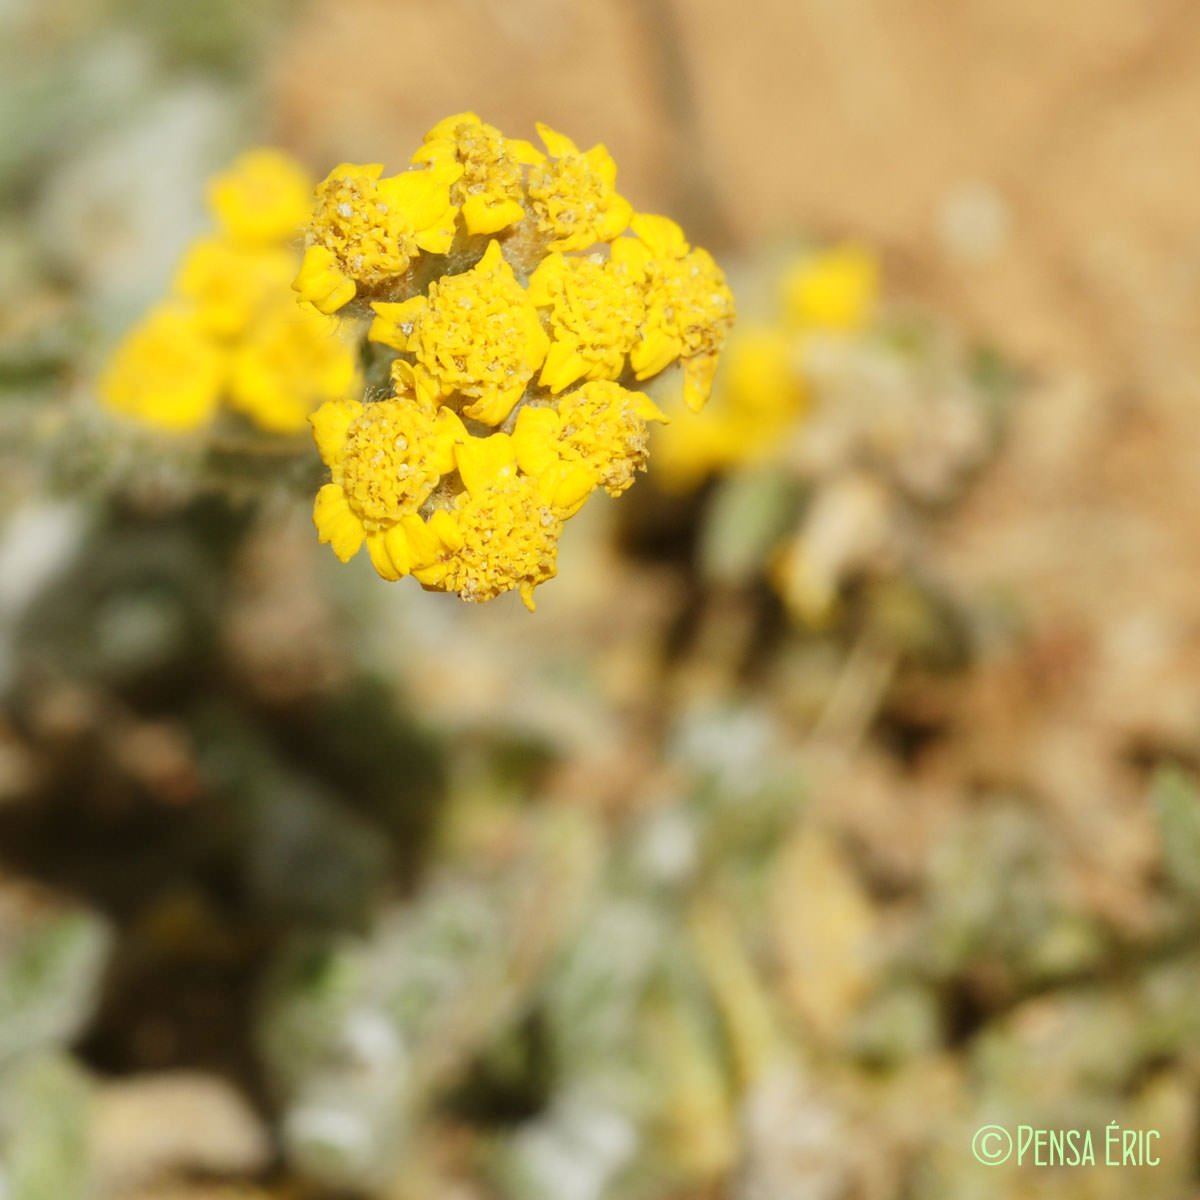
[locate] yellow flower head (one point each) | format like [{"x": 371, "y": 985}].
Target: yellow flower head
[
  {"x": 600, "y": 426},
  {"x": 477, "y": 335},
  {"x": 509, "y": 366},
  {"x": 498, "y": 532},
  {"x": 264, "y": 197},
  {"x": 573, "y": 195},
  {"x": 503, "y": 533},
  {"x": 689, "y": 308},
  {"x": 385, "y": 457},
  {"x": 835, "y": 289},
  {"x": 229, "y": 282},
  {"x": 168, "y": 371},
  {"x": 371, "y": 229},
  {"x": 490, "y": 190},
  {"x": 292, "y": 360},
  {"x": 595, "y": 307},
  {"x": 759, "y": 397}
]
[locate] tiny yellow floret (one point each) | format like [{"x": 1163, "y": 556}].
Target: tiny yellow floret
[
  {"x": 502, "y": 532},
  {"x": 600, "y": 426},
  {"x": 573, "y": 194}
]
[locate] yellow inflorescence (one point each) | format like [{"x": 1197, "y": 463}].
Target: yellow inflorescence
[
  {"x": 689, "y": 310},
  {"x": 489, "y": 192},
  {"x": 166, "y": 372},
  {"x": 573, "y": 194},
  {"x": 295, "y": 360},
  {"x": 833, "y": 290},
  {"x": 595, "y": 307},
  {"x": 502, "y": 529},
  {"x": 601, "y": 426},
  {"x": 512, "y": 356},
  {"x": 232, "y": 329},
  {"x": 264, "y": 198},
  {"x": 762, "y": 389},
  {"x": 476, "y": 335},
  {"x": 367, "y": 230}
]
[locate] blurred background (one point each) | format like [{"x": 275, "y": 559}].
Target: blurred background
[{"x": 838, "y": 799}]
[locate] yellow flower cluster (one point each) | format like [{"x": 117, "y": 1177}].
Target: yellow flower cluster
[
  {"x": 762, "y": 389},
  {"x": 231, "y": 328},
  {"x": 516, "y": 298}
]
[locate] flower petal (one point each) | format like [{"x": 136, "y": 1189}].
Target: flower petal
[
  {"x": 439, "y": 236},
  {"x": 566, "y": 487},
  {"x": 484, "y": 214},
  {"x": 540, "y": 288},
  {"x": 563, "y": 366},
  {"x": 660, "y": 234},
  {"x": 481, "y": 460},
  {"x": 493, "y": 408},
  {"x": 322, "y": 282},
  {"x": 381, "y": 558},
  {"x": 423, "y": 543},
  {"x": 526, "y": 153},
  {"x": 393, "y": 324},
  {"x": 420, "y": 195},
  {"x": 447, "y": 125},
  {"x": 558, "y": 144},
  {"x": 446, "y": 527},
  {"x": 602, "y": 163},
  {"x": 698, "y": 375},
  {"x": 449, "y": 432},
  {"x": 329, "y": 426},
  {"x": 655, "y": 353},
  {"x": 535, "y": 438},
  {"x": 336, "y": 522}
]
